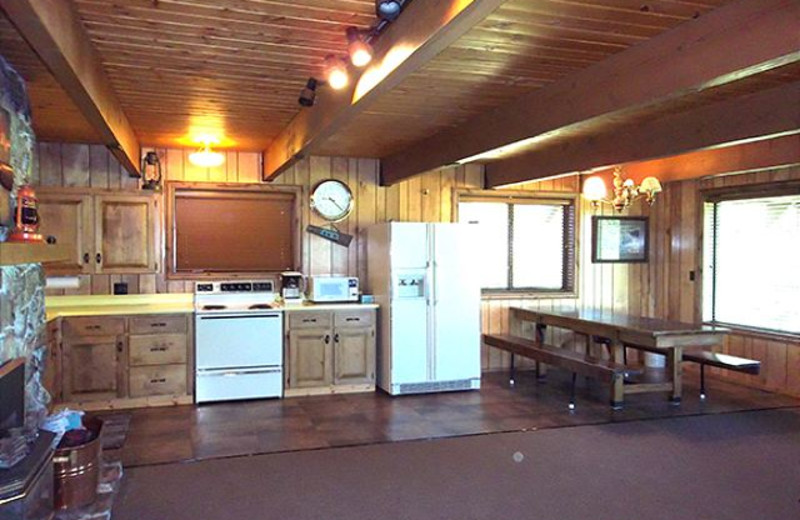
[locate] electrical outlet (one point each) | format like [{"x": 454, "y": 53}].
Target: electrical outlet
[{"x": 121, "y": 288}]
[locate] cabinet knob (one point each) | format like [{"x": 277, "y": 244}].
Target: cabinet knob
[
  {"x": 98, "y": 258},
  {"x": 119, "y": 346},
  {"x": 327, "y": 338},
  {"x": 336, "y": 338},
  {"x": 86, "y": 258}
]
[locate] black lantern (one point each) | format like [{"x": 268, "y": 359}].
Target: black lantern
[{"x": 151, "y": 172}]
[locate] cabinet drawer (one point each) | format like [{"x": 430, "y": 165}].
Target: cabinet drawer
[
  {"x": 157, "y": 349},
  {"x": 158, "y": 324},
  {"x": 100, "y": 326},
  {"x": 307, "y": 320},
  {"x": 160, "y": 380},
  {"x": 355, "y": 318}
]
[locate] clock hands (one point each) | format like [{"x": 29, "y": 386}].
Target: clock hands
[{"x": 335, "y": 203}]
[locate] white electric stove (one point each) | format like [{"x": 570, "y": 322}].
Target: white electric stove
[{"x": 238, "y": 341}]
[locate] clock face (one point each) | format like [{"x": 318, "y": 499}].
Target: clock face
[{"x": 332, "y": 200}]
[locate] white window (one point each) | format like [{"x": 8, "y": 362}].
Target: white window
[
  {"x": 523, "y": 245},
  {"x": 752, "y": 263}
]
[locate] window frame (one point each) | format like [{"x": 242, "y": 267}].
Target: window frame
[
  {"x": 732, "y": 193},
  {"x": 566, "y": 199}
]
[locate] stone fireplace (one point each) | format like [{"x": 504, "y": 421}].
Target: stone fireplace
[{"x": 22, "y": 316}]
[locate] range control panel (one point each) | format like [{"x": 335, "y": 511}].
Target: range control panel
[{"x": 267, "y": 286}]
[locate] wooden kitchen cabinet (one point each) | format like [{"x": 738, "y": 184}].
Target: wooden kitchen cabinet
[
  {"x": 310, "y": 358},
  {"x": 105, "y": 233},
  {"x": 51, "y": 378},
  {"x": 93, "y": 368},
  {"x": 125, "y": 234},
  {"x": 330, "y": 351},
  {"x": 123, "y": 361},
  {"x": 70, "y": 218}
]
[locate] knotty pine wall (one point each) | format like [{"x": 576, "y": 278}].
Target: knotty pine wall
[
  {"x": 425, "y": 198},
  {"x": 662, "y": 288}
]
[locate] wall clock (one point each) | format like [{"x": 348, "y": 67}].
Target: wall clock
[{"x": 332, "y": 200}]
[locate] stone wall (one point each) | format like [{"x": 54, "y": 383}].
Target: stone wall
[{"x": 22, "y": 319}]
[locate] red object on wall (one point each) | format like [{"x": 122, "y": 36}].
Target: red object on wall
[{"x": 26, "y": 217}]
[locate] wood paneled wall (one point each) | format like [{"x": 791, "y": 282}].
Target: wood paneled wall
[{"x": 662, "y": 288}]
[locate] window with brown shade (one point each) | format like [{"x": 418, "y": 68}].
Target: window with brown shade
[{"x": 230, "y": 230}]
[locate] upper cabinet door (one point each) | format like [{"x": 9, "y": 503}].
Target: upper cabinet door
[
  {"x": 68, "y": 217},
  {"x": 125, "y": 234}
]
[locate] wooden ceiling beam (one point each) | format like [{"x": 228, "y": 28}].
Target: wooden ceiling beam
[
  {"x": 728, "y": 44},
  {"x": 54, "y": 31},
  {"x": 422, "y": 32},
  {"x": 768, "y": 114}
]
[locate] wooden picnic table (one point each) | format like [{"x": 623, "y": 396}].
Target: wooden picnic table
[{"x": 622, "y": 330}]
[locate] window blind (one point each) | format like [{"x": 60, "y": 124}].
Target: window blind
[
  {"x": 752, "y": 253},
  {"x": 523, "y": 245}
]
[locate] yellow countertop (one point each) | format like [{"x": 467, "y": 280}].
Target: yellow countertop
[{"x": 104, "y": 305}]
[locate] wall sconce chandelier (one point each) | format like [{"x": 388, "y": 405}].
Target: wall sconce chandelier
[{"x": 625, "y": 191}]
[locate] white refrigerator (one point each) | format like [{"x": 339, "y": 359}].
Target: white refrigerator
[{"x": 424, "y": 276}]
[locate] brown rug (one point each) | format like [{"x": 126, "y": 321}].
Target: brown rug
[{"x": 737, "y": 466}]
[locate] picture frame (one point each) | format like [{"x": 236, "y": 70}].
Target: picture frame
[{"x": 620, "y": 239}]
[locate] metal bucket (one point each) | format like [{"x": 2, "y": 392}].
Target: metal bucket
[{"x": 77, "y": 470}]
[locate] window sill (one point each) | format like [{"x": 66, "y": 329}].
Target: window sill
[
  {"x": 740, "y": 330},
  {"x": 527, "y": 295}
]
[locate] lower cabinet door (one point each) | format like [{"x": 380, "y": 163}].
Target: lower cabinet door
[
  {"x": 310, "y": 354},
  {"x": 354, "y": 356},
  {"x": 92, "y": 368}
]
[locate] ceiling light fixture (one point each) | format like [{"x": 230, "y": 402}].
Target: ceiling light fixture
[
  {"x": 625, "y": 191},
  {"x": 336, "y": 72},
  {"x": 388, "y": 9},
  {"x": 206, "y": 157},
  {"x": 309, "y": 93},
  {"x": 359, "y": 50}
]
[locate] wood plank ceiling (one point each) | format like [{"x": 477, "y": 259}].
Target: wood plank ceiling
[
  {"x": 55, "y": 116},
  {"x": 524, "y": 45},
  {"x": 238, "y": 65}
]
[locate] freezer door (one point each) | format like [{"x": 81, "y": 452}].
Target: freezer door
[
  {"x": 456, "y": 298},
  {"x": 409, "y": 345},
  {"x": 409, "y": 245}
]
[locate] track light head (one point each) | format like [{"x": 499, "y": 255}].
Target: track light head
[
  {"x": 359, "y": 50},
  {"x": 336, "y": 72},
  {"x": 388, "y": 9},
  {"x": 309, "y": 93}
]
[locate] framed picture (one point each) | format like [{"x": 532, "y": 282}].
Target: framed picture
[{"x": 620, "y": 239}]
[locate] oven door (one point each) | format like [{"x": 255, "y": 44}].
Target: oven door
[{"x": 239, "y": 340}]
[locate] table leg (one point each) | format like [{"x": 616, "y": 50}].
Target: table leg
[
  {"x": 618, "y": 387},
  {"x": 674, "y": 363},
  {"x": 541, "y": 368}
]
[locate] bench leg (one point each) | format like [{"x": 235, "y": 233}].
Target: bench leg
[
  {"x": 674, "y": 362},
  {"x": 702, "y": 381},
  {"x": 511, "y": 380},
  {"x": 617, "y": 392},
  {"x": 572, "y": 393}
]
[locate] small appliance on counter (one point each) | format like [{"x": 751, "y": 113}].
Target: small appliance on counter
[
  {"x": 331, "y": 289},
  {"x": 292, "y": 287}
]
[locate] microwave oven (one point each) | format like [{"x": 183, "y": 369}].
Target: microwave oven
[{"x": 327, "y": 289}]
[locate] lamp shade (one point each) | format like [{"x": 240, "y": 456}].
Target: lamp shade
[
  {"x": 594, "y": 189},
  {"x": 336, "y": 72},
  {"x": 650, "y": 184}
]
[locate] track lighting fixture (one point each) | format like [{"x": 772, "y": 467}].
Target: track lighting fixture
[
  {"x": 359, "y": 50},
  {"x": 309, "y": 94},
  {"x": 336, "y": 72},
  {"x": 388, "y": 9}
]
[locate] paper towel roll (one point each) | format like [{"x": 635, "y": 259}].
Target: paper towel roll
[{"x": 63, "y": 282}]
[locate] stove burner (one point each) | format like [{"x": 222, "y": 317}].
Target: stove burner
[
  {"x": 260, "y": 306},
  {"x": 213, "y": 307}
]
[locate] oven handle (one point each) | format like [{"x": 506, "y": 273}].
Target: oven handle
[
  {"x": 231, "y": 373},
  {"x": 238, "y": 316}
]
